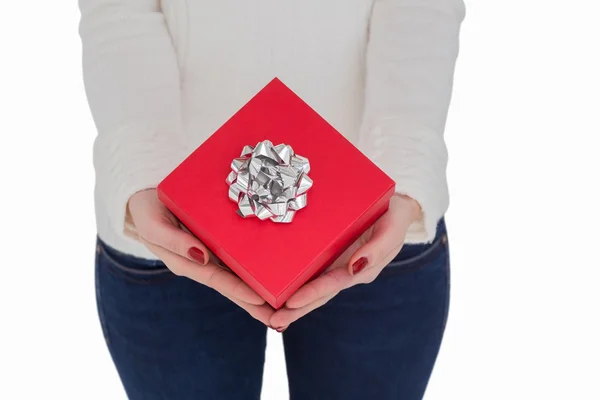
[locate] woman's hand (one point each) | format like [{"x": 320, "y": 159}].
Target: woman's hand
[
  {"x": 150, "y": 222},
  {"x": 361, "y": 262}
]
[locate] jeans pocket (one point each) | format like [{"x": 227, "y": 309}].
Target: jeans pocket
[
  {"x": 414, "y": 257},
  {"x": 131, "y": 268}
]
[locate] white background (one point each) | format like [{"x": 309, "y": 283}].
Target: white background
[{"x": 523, "y": 136}]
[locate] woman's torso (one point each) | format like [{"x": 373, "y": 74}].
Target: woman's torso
[{"x": 228, "y": 50}]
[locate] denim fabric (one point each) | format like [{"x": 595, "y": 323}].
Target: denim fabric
[{"x": 172, "y": 338}]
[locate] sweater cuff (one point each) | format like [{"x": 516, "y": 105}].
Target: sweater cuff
[
  {"x": 127, "y": 161},
  {"x": 415, "y": 157}
]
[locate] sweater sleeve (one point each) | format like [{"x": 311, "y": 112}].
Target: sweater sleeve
[
  {"x": 411, "y": 53},
  {"x": 132, "y": 83}
]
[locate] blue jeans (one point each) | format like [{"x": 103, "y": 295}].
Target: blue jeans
[{"x": 172, "y": 338}]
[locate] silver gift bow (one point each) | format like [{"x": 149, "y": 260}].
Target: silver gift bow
[{"x": 269, "y": 182}]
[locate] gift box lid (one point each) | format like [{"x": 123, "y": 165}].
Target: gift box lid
[{"x": 276, "y": 258}]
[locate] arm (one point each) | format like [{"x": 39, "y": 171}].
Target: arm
[
  {"x": 132, "y": 83},
  {"x": 411, "y": 53}
]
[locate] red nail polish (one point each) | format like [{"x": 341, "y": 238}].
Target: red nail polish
[
  {"x": 359, "y": 265},
  {"x": 196, "y": 254}
]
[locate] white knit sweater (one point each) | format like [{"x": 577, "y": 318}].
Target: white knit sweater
[{"x": 161, "y": 76}]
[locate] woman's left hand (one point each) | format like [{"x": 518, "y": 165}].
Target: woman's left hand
[{"x": 360, "y": 263}]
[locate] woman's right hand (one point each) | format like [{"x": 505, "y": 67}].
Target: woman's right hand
[{"x": 150, "y": 222}]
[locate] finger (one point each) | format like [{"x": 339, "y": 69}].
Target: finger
[
  {"x": 286, "y": 316},
  {"x": 211, "y": 256},
  {"x": 164, "y": 234},
  {"x": 332, "y": 281},
  {"x": 387, "y": 237},
  {"x": 223, "y": 281}
]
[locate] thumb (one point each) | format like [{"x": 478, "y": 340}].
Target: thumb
[
  {"x": 168, "y": 234},
  {"x": 155, "y": 224},
  {"x": 387, "y": 237}
]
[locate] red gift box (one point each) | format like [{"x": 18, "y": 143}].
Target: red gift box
[{"x": 275, "y": 259}]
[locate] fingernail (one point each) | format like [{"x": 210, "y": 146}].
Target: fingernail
[
  {"x": 196, "y": 254},
  {"x": 359, "y": 265},
  {"x": 281, "y": 329}
]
